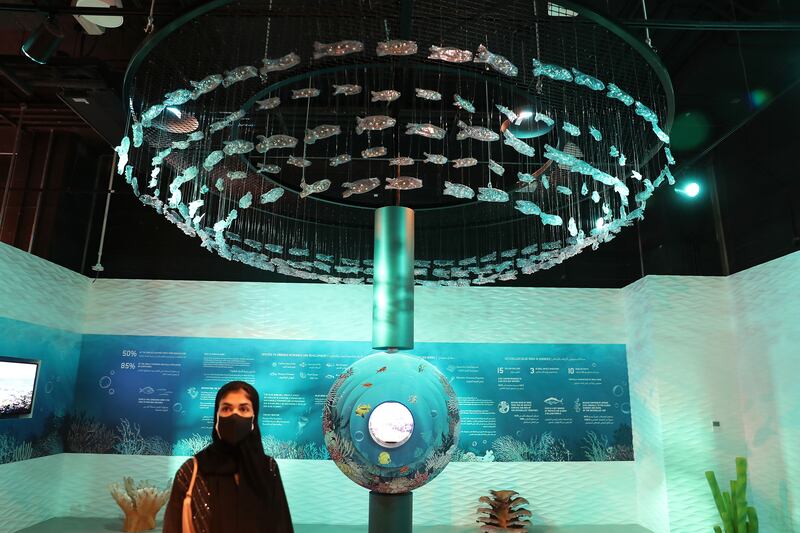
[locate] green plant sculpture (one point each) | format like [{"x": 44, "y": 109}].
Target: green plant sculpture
[{"x": 737, "y": 516}]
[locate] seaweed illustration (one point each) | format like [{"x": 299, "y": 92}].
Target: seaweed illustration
[
  {"x": 191, "y": 445},
  {"x": 544, "y": 448},
  {"x": 84, "y": 434},
  {"x": 282, "y": 449}
]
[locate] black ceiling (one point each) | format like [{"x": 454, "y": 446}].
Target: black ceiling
[{"x": 737, "y": 106}]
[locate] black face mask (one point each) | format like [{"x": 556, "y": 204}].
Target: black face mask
[{"x": 234, "y": 429}]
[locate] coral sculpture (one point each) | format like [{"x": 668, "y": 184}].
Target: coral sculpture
[
  {"x": 737, "y": 516},
  {"x": 140, "y": 503},
  {"x": 505, "y": 512}
]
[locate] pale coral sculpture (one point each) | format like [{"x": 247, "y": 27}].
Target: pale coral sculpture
[
  {"x": 505, "y": 512},
  {"x": 140, "y": 503}
]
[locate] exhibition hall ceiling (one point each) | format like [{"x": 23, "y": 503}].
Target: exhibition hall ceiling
[{"x": 736, "y": 94}]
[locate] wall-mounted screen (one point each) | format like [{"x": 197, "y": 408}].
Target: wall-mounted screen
[{"x": 17, "y": 387}]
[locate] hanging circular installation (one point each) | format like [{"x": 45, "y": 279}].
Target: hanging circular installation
[{"x": 271, "y": 131}]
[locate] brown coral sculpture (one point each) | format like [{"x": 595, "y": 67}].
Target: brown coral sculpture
[
  {"x": 505, "y": 512},
  {"x": 140, "y": 503}
]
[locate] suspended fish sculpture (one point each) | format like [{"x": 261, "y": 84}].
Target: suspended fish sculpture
[
  {"x": 618, "y": 94},
  {"x": 622, "y": 160},
  {"x": 518, "y": 145},
  {"x": 236, "y": 174},
  {"x": 587, "y": 81},
  {"x": 122, "y": 154},
  {"x": 510, "y": 115},
  {"x": 274, "y": 142},
  {"x": 396, "y": 47},
  {"x": 496, "y": 61},
  {"x": 347, "y": 90},
  {"x": 246, "y": 200},
  {"x": 403, "y": 183},
  {"x": 186, "y": 176},
  {"x": 138, "y": 134},
  {"x": 282, "y": 63},
  {"x": 377, "y": 151},
  {"x": 268, "y": 169},
  {"x": 545, "y": 181},
  {"x": 220, "y": 184},
  {"x": 564, "y": 190},
  {"x": 465, "y": 162},
  {"x": 646, "y": 113},
  {"x": 479, "y": 133},
  {"x": 613, "y": 151},
  {"x": 206, "y": 85},
  {"x": 340, "y": 160},
  {"x": 389, "y": 95},
  {"x": 374, "y": 123},
  {"x": 635, "y": 175},
  {"x": 572, "y": 129},
  {"x": 268, "y": 103},
  {"x": 540, "y": 117},
  {"x": 151, "y": 113},
  {"x": 321, "y": 132},
  {"x": 314, "y": 188},
  {"x": 212, "y": 159},
  {"x": 434, "y": 158},
  {"x": 308, "y": 92},
  {"x": 176, "y": 98},
  {"x": 239, "y": 74},
  {"x": 662, "y": 136},
  {"x": 194, "y": 206},
  {"x": 572, "y": 227},
  {"x": 461, "y": 103},
  {"x": 551, "y": 220},
  {"x": 595, "y": 197},
  {"x": 196, "y": 136},
  {"x": 159, "y": 157},
  {"x": 525, "y": 177},
  {"x": 584, "y": 190},
  {"x": 180, "y": 145},
  {"x": 360, "y": 186},
  {"x": 299, "y": 162},
  {"x": 526, "y": 207},
  {"x": 554, "y": 72},
  {"x": 490, "y": 194},
  {"x": 449, "y": 54},
  {"x": 227, "y": 121},
  {"x": 496, "y": 168},
  {"x": 337, "y": 49},
  {"x": 401, "y": 161},
  {"x": 458, "y": 190},
  {"x": 668, "y": 154},
  {"x": 427, "y": 94},
  {"x": 425, "y": 130}
]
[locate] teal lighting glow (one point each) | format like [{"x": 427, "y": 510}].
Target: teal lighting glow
[
  {"x": 691, "y": 189},
  {"x": 599, "y": 223},
  {"x": 759, "y": 97},
  {"x": 175, "y": 111},
  {"x": 527, "y": 113},
  {"x": 43, "y": 41}
]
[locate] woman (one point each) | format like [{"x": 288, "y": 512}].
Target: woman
[{"x": 238, "y": 487}]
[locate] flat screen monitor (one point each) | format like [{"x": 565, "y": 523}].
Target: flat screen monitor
[{"x": 17, "y": 386}]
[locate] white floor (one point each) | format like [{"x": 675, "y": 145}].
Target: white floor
[{"x": 104, "y": 525}]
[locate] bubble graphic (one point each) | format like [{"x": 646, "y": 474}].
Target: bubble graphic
[
  {"x": 625, "y": 408},
  {"x": 111, "y": 392},
  {"x": 617, "y": 390},
  {"x": 474, "y": 443},
  {"x": 105, "y": 382},
  {"x": 358, "y": 436},
  {"x": 177, "y": 407},
  {"x": 519, "y": 433},
  {"x": 484, "y": 441},
  {"x": 49, "y": 387},
  {"x": 434, "y": 413},
  {"x": 111, "y": 373}
]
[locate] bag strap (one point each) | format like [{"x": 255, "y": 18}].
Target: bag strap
[
  {"x": 186, "y": 515},
  {"x": 194, "y": 478}
]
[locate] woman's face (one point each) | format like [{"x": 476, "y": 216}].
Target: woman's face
[{"x": 235, "y": 402}]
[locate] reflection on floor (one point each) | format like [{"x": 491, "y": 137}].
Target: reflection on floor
[{"x": 104, "y": 525}]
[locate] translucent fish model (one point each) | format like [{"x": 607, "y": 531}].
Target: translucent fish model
[
  {"x": 595, "y": 133},
  {"x": 186, "y": 176},
  {"x": 401, "y": 161},
  {"x": 314, "y": 188},
  {"x": 274, "y": 142},
  {"x": 340, "y": 160},
  {"x": 613, "y": 151},
  {"x": 510, "y": 115},
  {"x": 268, "y": 169},
  {"x": 403, "y": 183},
  {"x": 122, "y": 154},
  {"x": 618, "y": 94},
  {"x": 496, "y": 168},
  {"x": 269, "y": 103},
  {"x": 194, "y": 206},
  {"x": 461, "y": 103},
  {"x": 298, "y": 162},
  {"x": 360, "y": 186},
  {"x": 449, "y": 54},
  {"x": 396, "y": 47},
  {"x": 246, "y": 200},
  {"x": 646, "y": 113},
  {"x": 337, "y": 49},
  {"x": 347, "y": 90},
  {"x": 564, "y": 190},
  {"x": 212, "y": 159},
  {"x": 518, "y": 145},
  {"x": 377, "y": 151},
  {"x": 321, "y": 132},
  {"x": 490, "y": 194},
  {"x": 661, "y": 134},
  {"x": 554, "y": 72},
  {"x": 584, "y": 190},
  {"x": 152, "y": 112},
  {"x": 427, "y": 94},
  {"x": 219, "y": 184},
  {"x": 176, "y": 98},
  {"x": 227, "y": 121},
  {"x": 572, "y": 227},
  {"x": 526, "y": 207},
  {"x": 595, "y": 197},
  {"x": 587, "y": 81},
  {"x": 159, "y": 157},
  {"x": 425, "y": 130},
  {"x": 196, "y": 136},
  {"x": 551, "y": 220},
  {"x": 622, "y": 160},
  {"x": 525, "y": 177},
  {"x": 236, "y": 174},
  {"x": 308, "y": 92},
  {"x": 180, "y": 145},
  {"x": 374, "y": 123},
  {"x": 434, "y": 158},
  {"x": 479, "y": 133},
  {"x": 545, "y": 181},
  {"x": 138, "y": 134},
  {"x": 541, "y": 117},
  {"x": 572, "y": 129},
  {"x": 458, "y": 190},
  {"x": 238, "y": 146},
  {"x": 635, "y": 175},
  {"x": 205, "y": 86},
  {"x": 668, "y": 154},
  {"x": 465, "y": 162},
  {"x": 389, "y": 95},
  {"x": 496, "y": 61},
  {"x": 282, "y": 63},
  {"x": 239, "y": 74}
]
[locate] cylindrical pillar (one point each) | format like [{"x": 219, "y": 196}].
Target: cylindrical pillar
[
  {"x": 393, "y": 279},
  {"x": 390, "y": 513}
]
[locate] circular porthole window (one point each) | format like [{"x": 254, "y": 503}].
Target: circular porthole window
[{"x": 391, "y": 424}]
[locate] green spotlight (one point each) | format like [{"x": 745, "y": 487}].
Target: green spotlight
[
  {"x": 691, "y": 189},
  {"x": 43, "y": 41}
]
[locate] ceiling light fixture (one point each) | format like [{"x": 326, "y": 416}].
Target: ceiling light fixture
[{"x": 43, "y": 41}]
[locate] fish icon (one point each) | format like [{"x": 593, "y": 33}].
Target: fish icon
[
  {"x": 381, "y": 369},
  {"x": 384, "y": 458},
  {"x": 363, "y": 409},
  {"x": 404, "y": 469},
  {"x": 554, "y": 401},
  {"x": 147, "y": 390},
  {"x": 367, "y": 385},
  {"x": 412, "y": 398}
]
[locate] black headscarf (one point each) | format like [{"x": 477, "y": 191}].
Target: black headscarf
[{"x": 258, "y": 503}]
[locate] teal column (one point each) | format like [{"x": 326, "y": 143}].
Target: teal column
[
  {"x": 390, "y": 513},
  {"x": 393, "y": 279}
]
